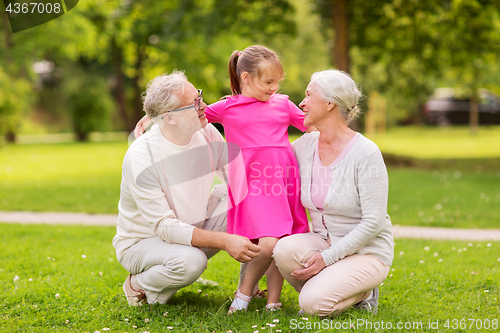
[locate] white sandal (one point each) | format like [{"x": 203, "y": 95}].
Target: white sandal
[
  {"x": 271, "y": 307},
  {"x": 240, "y": 302}
]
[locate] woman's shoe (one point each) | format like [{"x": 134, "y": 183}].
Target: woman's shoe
[{"x": 240, "y": 302}]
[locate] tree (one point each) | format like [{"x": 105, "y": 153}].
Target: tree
[{"x": 403, "y": 48}]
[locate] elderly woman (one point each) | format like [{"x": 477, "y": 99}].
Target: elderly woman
[{"x": 344, "y": 187}]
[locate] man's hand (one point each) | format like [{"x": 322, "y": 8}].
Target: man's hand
[
  {"x": 313, "y": 266},
  {"x": 240, "y": 248},
  {"x": 141, "y": 126}
]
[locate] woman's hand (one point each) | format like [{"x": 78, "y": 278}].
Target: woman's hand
[
  {"x": 141, "y": 126},
  {"x": 313, "y": 266}
]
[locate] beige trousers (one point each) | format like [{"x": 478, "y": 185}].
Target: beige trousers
[
  {"x": 337, "y": 287},
  {"x": 162, "y": 268}
]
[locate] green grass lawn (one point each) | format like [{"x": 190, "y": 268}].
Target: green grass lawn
[
  {"x": 441, "y": 142},
  {"x": 85, "y": 177},
  {"x": 72, "y": 177},
  {"x": 67, "y": 279}
]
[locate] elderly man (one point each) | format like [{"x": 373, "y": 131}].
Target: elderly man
[{"x": 170, "y": 222}]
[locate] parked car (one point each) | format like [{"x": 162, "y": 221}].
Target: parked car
[{"x": 447, "y": 106}]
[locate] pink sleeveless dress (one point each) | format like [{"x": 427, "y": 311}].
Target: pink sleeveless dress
[{"x": 265, "y": 201}]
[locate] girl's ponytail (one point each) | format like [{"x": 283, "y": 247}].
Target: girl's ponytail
[{"x": 233, "y": 77}]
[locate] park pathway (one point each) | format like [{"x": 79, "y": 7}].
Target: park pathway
[{"x": 110, "y": 220}]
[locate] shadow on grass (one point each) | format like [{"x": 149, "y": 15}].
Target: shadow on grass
[{"x": 473, "y": 164}]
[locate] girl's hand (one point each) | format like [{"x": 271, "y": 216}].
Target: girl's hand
[
  {"x": 313, "y": 266},
  {"x": 141, "y": 126}
]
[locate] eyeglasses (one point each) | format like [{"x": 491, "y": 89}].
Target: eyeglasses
[{"x": 197, "y": 103}]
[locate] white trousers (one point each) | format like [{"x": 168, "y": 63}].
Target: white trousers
[
  {"x": 161, "y": 268},
  {"x": 336, "y": 287}
]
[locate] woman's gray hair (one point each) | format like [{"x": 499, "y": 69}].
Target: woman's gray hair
[
  {"x": 164, "y": 93},
  {"x": 338, "y": 87}
]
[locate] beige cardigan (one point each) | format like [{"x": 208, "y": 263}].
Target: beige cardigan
[{"x": 355, "y": 208}]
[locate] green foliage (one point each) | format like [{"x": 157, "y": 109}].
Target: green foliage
[
  {"x": 90, "y": 104},
  {"x": 16, "y": 97},
  {"x": 404, "y": 49},
  {"x": 69, "y": 280}
]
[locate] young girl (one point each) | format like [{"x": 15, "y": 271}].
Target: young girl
[{"x": 256, "y": 119}]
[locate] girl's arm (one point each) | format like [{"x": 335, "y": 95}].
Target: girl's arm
[{"x": 141, "y": 126}]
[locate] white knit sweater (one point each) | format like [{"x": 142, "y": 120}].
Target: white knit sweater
[
  {"x": 355, "y": 208},
  {"x": 153, "y": 163}
]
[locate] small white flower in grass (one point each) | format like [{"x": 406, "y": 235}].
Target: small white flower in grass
[
  {"x": 30, "y": 279},
  {"x": 170, "y": 327},
  {"x": 486, "y": 291},
  {"x": 421, "y": 261},
  {"x": 165, "y": 314},
  {"x": 459, "y": 250},
  {"x": 66, "y": 322},
  {"x": 126, "y": 319},
  {"x": 146, "y": 320},
  {"x": 464, "y": 249},
  {"x": 105, "y": 328},
  {"x": 263, "y": 328},
  {"x": 488, "y": 245},
  {"x": 84, "y": 256},
  {"x": 440, "y": 260},
  {"x": 97, "y": 331},
  {"x": 255, "y": 331},
  {"x": 305, "y": 318},
  {"x": 16, "y": 278},
  {"x": 254, "y": 326},
  {"x": 48, "y": 258},
  {"x": 257, "y": 310},
  {"x": 35, "y": 306},
  {"x": 426, "y": 248},
  {"x": 439, "y": 206},
  {"x": 134, "y": 326},
  {"x": 411, "y": 274},
  {"x": 498, "y": 259},
  {"x": 470, "y": 244},
  {"x": 272, "y": 325},
  {"x": 100, "y": 273},
  {"x": 435, "y": 254},
  {"x": 199, "y": 291},
  {"x": 401, "y": 253},
  {"x": 393, "y": 269},
  {"x": 276, "y": 320},
  {"x": 382, "y": 284},
  {"x": 390, "y": 275},
  {"x": 57, "y": 295},
  {"x": 229, "y": 331}
]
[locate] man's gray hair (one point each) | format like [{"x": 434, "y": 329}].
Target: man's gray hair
[
  {"x": 164, "y": 93},
  {"x": 338, "y": 87}
]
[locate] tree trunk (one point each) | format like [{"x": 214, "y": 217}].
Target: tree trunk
[
  {"x": 340, "y": 52},
  {"x": 474, "y": 113},
  {"x": 138, "y": 112},
  {"x": 119, "y": 89}
]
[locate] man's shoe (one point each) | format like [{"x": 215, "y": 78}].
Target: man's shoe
[
  {"x": 134, "y": 297},
  {"x": 369, "y": 304}
]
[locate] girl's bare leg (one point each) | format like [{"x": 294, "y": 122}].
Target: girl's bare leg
[
  {"x": 258, "y": 266},
  {"x": 274, "y": 283}
]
